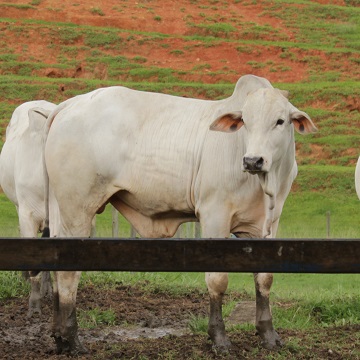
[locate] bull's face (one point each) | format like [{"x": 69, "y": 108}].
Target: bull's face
[{"x": 269, "y": 119}]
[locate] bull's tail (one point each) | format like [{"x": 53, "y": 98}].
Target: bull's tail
[
  {"x": 46, "y": 231},
  {"x": 50, "y": 119}
]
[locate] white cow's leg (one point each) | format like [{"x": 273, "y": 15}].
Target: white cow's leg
[
  {"x": 264, "y": 325},
  {"x": 40, "y": 283},
  {"x": 217, "y": 283},
  {"x": 35, "y": 294},
  {"x": 46, "y": 286},
  {"x": 65, "y": 328},
  {"x": 40, "y": 287}
]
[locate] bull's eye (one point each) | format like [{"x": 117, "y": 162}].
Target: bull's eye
[{"x": 280, "y": 122}]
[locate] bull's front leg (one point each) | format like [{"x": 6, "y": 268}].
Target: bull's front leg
[
  {"x": 264, "y": 326},
  {"x": 65, "y": 328},
  {"x": 216, "y": 224},
  {"x": 217, "y": 284}
]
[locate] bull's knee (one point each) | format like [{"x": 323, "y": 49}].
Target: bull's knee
[{"x": 217, "y": 283}]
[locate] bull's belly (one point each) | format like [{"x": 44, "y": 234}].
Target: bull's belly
[
  {"x": 152, "y": 217},
  {"x": 154, "y": 204}
]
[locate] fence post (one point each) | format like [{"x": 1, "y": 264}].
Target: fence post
[
  {"x": 115, "y": 222},
  {"x": 132, "y": 232},
  {"x": 328, "y": 224},
  {"x": 197, "y": 230}
]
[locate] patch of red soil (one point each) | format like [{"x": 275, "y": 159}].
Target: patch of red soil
[
  {"x": 169, "y": 17},
  {"x": 222, "y": 59}
]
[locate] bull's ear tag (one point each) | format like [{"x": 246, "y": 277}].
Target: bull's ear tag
[{"x": 228, "y": 123}]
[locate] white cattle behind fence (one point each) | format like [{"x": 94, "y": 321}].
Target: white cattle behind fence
[{"x": 232, "y": 171}]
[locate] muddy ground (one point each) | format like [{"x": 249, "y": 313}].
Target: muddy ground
[{"x": 156, "y": 326}]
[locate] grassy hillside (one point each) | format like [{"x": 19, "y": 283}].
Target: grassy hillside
[{"x": 51, "y": 50}]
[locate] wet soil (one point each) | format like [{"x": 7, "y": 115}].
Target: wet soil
[{"x": 156, "y": 326}]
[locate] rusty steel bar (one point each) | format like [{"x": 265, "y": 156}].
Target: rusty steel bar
[{"x": 184, "y": 255}]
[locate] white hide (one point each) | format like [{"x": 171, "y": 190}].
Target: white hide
[
  {"x": 21, "y": 164},
  {"x": 357, "y": 178}
]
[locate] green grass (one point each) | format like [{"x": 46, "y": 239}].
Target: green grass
[
  {"x": 93, "y": 318},
  {"x": 18, "y": 6}
]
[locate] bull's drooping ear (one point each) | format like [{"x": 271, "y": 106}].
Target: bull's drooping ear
[
  {"x": 37, "y": 118},
  {"x": 302, "y": 122},
  {"x": 228, "y": 123}
]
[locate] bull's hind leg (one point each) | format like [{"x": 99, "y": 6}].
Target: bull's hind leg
[
  {"x": 217, "y": 284},
  {"x": 40, "y": 287},
  {"x": 65, "y": 328},
  {"x": 264, "y": 326},
  {"x": 46, "y": 285},
  {"x": 35, "y": 294},
  {"x": 40, "y": 283}
]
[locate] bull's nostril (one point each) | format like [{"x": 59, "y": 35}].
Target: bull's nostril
[
  {"x": 260, "y": 163},
  {"x": 253, "y": 163},
  {"x": 246, "y": 162}
]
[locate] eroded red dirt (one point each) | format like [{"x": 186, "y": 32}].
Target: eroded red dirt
[{"x": 225, "y": 61}]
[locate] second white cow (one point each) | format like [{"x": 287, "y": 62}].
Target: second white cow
[
  {"x": 22, "y": 178},
  {"x": 163, "y": 160}
]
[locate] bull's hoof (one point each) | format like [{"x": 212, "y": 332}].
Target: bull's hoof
[
  {"x": 221, "y": 343},
  {"x": 34, "y": 308},
  {"x": 32, "y": 312},
  {"x": 63, "y": 346},
  {"x": 270, "y": 340}
]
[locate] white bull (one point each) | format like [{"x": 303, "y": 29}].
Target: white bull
[
  {"x": 155, "y": 159},
  {"x": 22, "y": 178},
  {"x": 357, "y": 178}
]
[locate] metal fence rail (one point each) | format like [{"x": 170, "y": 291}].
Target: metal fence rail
[{"x": 184, "y": 255}]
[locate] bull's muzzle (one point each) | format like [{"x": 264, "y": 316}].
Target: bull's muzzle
[{"x": 253, "y": 164}]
